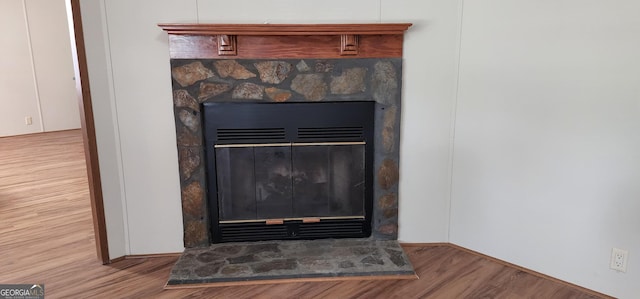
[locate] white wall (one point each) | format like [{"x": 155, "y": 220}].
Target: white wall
[
  {"x": 547, "y": 164},
  {"x": 144, "y": 107},
  {"x": 17, "y": 86},
  {"x": 53, "y": 64},
  {"x": 429, "y": 84},
  {"x": 106, "y": 125},
  {"x": 37, "y": 69}
]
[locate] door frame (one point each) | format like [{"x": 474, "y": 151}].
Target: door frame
[{"x": 88, "y": 129}]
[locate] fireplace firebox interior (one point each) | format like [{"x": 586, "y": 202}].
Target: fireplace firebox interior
[{"x": 289, "y": 170}]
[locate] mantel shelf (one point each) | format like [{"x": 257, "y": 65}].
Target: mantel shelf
[
  {"x": 286, "y": 29},
  {"x": 233, "y": 41}
]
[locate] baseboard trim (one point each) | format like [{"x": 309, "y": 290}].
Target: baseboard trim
[
  {"x": 155, "y": 255},
  {"x": 532, "y": 272},
  {"x": 144, "y": 256},
  {"x": 424, "y": 244},
  {"x": 115, "y": 260}
]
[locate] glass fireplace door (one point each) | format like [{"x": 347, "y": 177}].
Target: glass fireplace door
[{"x": 290, "y": 181}]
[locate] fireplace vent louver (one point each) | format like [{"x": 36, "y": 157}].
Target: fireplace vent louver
[
  {"x": 331, "y": 228},
  {"x": 248, "y": 232},
  {"x": 239, "y": 232},
  {"x": 228, "y": 135},
  {"x": 331, "y": 133}
]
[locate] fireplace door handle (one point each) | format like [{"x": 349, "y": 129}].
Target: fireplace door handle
[{"x": 274, "y": 221}]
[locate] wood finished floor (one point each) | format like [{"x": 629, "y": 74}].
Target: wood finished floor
[{"x": 46, "y": 237}]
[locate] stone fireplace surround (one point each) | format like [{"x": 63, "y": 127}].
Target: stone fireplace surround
[{"x": 292, "y": 63}]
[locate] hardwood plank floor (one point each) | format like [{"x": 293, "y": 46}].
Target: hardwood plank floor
[{"x": 46, "y": 237}]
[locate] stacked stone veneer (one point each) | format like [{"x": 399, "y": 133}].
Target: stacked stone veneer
[{"x": 285, "y": 80}]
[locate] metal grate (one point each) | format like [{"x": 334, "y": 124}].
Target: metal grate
[
  {"x": 252, "y": 232},
  {"x": 249, "y": 231},
  {"x": 331, "y": 132},
  {"x": 250, "y": 134},
  {"x": 331, "y": 229}
]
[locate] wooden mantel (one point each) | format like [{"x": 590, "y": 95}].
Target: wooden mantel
[
  {"x": 285, "y": 29},
  {"x": 204, "y": 41}
]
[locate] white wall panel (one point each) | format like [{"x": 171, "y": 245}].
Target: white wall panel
[
  {"x": 106, "y": 125},
  {"x": 429, "y": 83},
  {"x": 53, "y": 64},
  {"x": 142, "y": 85},
  {"x": 288, "y": 11},
  {"x": 546, "y": 164},
  {"x": 18, "y": 97}
]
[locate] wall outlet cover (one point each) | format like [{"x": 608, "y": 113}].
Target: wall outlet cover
[{"x": 619, "y": 259}]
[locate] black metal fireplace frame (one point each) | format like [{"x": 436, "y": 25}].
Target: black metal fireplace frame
[{"x": 253, "y": 122}]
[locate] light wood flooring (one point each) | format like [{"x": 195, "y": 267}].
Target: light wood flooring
[{"x": 46, "y": 237}]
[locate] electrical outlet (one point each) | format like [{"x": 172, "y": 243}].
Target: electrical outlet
[
  {"x": 28, "y": 120},
  {"x": 619, "y": 259}
]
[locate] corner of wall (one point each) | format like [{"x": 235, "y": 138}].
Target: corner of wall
[{"x": 106, "y": 124}]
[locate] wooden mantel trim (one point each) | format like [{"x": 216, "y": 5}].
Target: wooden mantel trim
[
  {"x": 286, "y": 29},
  {"x": 268, "y": 41}
]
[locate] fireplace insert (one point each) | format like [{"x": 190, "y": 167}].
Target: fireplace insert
[{"x": 279, "y": 171}]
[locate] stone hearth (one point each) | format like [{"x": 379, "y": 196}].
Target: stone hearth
[{"x": 230, "y": 263}]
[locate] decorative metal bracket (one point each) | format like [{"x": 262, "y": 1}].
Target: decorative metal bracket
[
  {"x": 227, "y": 45},
  {"x": 348, "y": 44}
]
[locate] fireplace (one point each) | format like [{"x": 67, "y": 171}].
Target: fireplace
[
  {"x": 243, "y": 171},
  {"x": 289, "y": 170}
]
